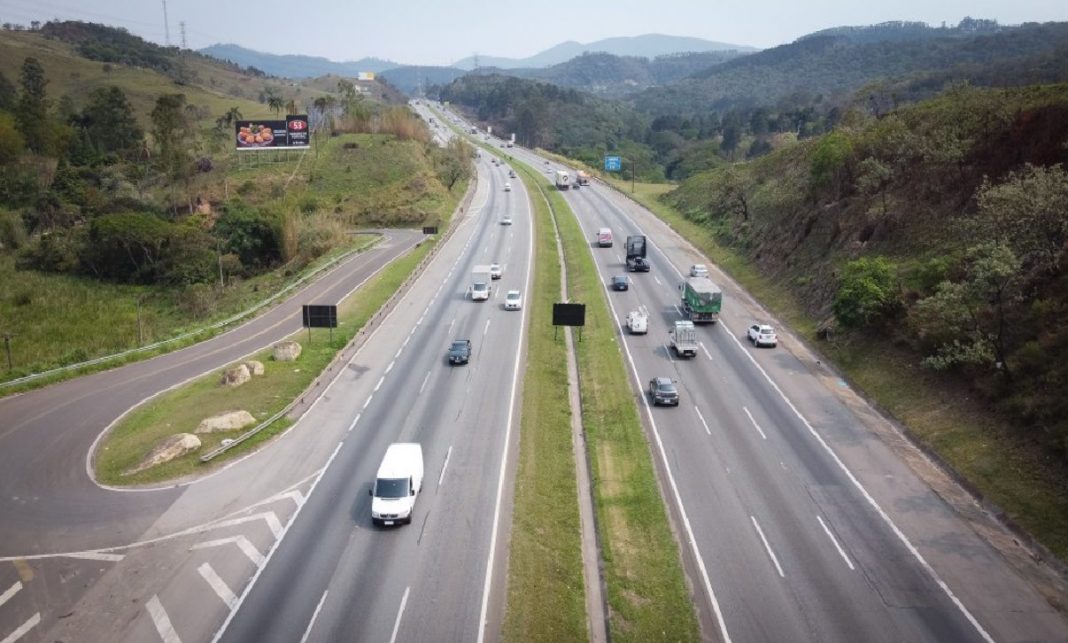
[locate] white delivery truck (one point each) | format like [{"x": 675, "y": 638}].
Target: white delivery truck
[
  {"x": 563, "y": 180},
  {"x": 397, "y": 485},
  {"x": 480, "y": 283},
  {"x": 683, "y": 339}
]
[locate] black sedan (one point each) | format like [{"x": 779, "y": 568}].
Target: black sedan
[
  {"x": 460, "y": 351},
  {"x": 620, "y": 282}
]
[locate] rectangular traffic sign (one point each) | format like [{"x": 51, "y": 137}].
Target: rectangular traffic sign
[{"x": 613, "y": 164}]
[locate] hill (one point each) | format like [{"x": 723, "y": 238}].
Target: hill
[
  {"x": 294, "y": 66},
  {"x": 412, "y": 79},
  {"x": 645, "y": 46}
]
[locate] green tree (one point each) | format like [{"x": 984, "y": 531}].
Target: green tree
[
  {"x": 874, "y": 178},
  {"x": 454, "y": 163},
  {"x": 173, "y": 133},
  {"x": 109, "y": 121},
  {"x": 11, "y": 141},
  {"x": 275, "y": 104},
  {"x": 830, "y": 162},
  {"x": 31, "y": 111},
  {"x": 868, "y": 292},
  {"x": 8, "y": 94}
]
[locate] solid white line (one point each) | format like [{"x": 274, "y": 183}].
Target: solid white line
[
  {"x": 390, "y": 367},
  {"x": 354, "y": 421},
  {"x": 11, "y": 591},
  {"x": 425, "y": 380},
  {"x": 755, "y": 425},
  {"x": 486, "y": 329},
  {"x": 400, "y": 612},
  {"x": 867, "y": 496},
  {"x": 446, "y": 464},
  {"x": 207, "y": 572},
  {"x": 24, "y": 628},
  {"x": 243, "y": 543},
  {"x": 274, "y": 548},
  {"x": 451, "y": 322},
  {"x": 768, "y": 547},
  {"x": 367, "y": 402},
  {"x": 379, "y": 385},
  {"x": 707, "y": 354},
  {"x": 162, "y": 621},
  {"x": 702, "y": 418},
  {"x": 836, "y": 545},
  {"x": 314, "y": 616},
  {"x": 97, "y": 555}
]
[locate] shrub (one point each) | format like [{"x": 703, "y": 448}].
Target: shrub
[
  {"x": 12, "y": 230},
  {"x": 868, "y": 293}
]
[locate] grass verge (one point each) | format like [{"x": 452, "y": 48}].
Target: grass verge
[
  {"x": 546, "y": 591},
  {"x": 646, "y": 589}
]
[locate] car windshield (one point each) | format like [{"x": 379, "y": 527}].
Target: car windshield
[
  {"x": 513, "y": 297},
  {"x": 481, "y": 287},
  {"x": 666, "y": 387},
  {"x": 459, "y": 346},
  {"x": 391, "y": 488}
]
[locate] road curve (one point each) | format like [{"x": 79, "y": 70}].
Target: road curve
[{"x": 49, "y": 502}]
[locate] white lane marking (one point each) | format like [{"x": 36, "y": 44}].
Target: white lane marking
[
  {"x": 834, "y": 540},
  {"x": 296, "y": 496},
  {"x": 702, "y": 418},
  {"x": 11, "y": 591},
  {"x": 487, "y": 582},
  {"x": 678, "y": 310},
  {"x": 244, "y": 544},
  {"x": 707, "y": 354},
  {"x": 272, "y": 522},
  {"x": 400, "y": 612},
  {"x": 367, "y": 402},
  {"x": 354, "y": 421},
  {"x": 451, "y": 322},
  {"x": 425, "y": 380},
  {"x": 755, "y": 425},
  {"x": 399, "y": 351},
  {"x": 657, "y": 281},
  {"x": 24, "y": 628},
  {"x": 379, "y": 385},
  {"x": 486, "y": 329},
  {"x": 274, "y": 548},
  {"x": 667, "y": 349},
  {"x": 97, "y": 555},
  {"x": 864, "y": 492},
  {"x": 448, "y": 454},
  {"x": 207, "y": 572},
  {"x": 162, "y": 621},
  {"x": 768, "y": 547},
  {"x": 406, "y": 340},
  {"x": 314, "y": 616}
]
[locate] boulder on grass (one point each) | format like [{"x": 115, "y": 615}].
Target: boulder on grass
[
  {"x": 170, "y": 448},
  {"x": 255, "y": 367},
  {"x": 287, "y": 351},
  {"x": 236, "y": 376},
  {"x": 229, "y": 421}
]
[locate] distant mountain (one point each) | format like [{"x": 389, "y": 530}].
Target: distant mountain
[
  {"x": 410, "y": 78},
  {"x": 836, "y": 63},
  {"x": 294, "y": 66},
  {"x": 646, "y": 46}
]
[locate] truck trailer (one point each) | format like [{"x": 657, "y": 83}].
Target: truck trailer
[
  {"x": 636, "y": 249},
  {"x": 701, "y": 300},
  {"x": 563, "y": 180}
]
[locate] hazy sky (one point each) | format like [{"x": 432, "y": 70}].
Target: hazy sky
[{"x": 440, "y": 32}]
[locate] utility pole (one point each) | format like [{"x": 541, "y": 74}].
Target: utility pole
[
  {"x": 181, "y": 27},
  {"x": 218, "y": 251},
  {"x": 166, "y": 26},
  {"x": 7, "y": 346},
  {"x": 140, "y": 331}
]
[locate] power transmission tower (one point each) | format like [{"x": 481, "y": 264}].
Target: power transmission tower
[
  {"x": 166, "y": 26},
  {"x": 181, "y": 25}
]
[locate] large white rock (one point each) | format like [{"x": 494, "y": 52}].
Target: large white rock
[
  {"x": 170, "y": 448},
  {"x": 228, "y": 421},
  {"x": 287, "y": 351},
  {"x": 255, "y": 367},
  {"x": 236, "y": 376}
]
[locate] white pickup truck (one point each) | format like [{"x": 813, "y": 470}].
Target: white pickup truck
[{"x": 638, "y": 321}]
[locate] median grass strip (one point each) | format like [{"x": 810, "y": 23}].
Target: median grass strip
[
  {"x": 546, "y": 592},
  {"x": 646, "y": 589}
]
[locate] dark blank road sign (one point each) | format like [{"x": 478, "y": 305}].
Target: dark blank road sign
[
  {"x": 320, "y": 316},
  {"x": 569, "y": 314},
  {"x": 430, "y": 229}
]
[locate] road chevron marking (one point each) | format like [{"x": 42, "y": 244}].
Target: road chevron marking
[
  {"x": 161, "y": 621},
  {"x": 11, "y": 591},
  {"x": 207, "y": 572},
  {"x": 244, "y": 544},
  {"x": 23, "y": 629}
]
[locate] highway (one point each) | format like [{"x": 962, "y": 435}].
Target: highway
[{"x": 800, "y": 516}]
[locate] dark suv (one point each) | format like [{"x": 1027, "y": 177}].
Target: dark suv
[
  {"x": 663, "y": 391},
  {"x": 460, "y": 351}
]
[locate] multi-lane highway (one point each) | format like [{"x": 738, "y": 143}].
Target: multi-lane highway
[{"x": 800, "y": 518}]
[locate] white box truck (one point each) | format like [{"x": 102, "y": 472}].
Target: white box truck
[
  {"x": 563, "y": 180},
  {"x": 480, "y": 283},
  {"x": 397, "y": 485},
  {"x": 683, "y": 339}
]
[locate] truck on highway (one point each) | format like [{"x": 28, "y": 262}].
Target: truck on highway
[
  {"x": 397, "y": 485},
  {"x": 563, "y": 180},
  {"x": 636, "y": 261},
  {"x": 480, "y": 283},
  {"x": 638, "y": 321},
  {"x": 582, "y": 177},
  {"x": 683, "y": 338},
  {"x": 701, "y": 300}
]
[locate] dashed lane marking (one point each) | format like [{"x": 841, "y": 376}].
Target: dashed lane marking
[{"x": 11, "y": 591}]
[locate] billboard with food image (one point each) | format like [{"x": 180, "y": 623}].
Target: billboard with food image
[{"x": 292, "y": 133}]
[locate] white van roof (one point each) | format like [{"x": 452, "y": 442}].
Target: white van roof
[
  {"x": 604, "y": 231},
  {"x": 402, "y": 459}
]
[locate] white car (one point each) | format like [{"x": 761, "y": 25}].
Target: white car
[
  {"x": 495, "y": 271},
  {"x": 513, "y": 300},
  {"x": 506, "y": 220},
  {"x": 507, "y": 187},
  {"x": 699, "y": 270},
  {"x": 762, "y": 335}
]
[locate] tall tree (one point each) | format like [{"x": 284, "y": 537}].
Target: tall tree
[
  {"x": 172, "y": 132},
  {"x": 109, "y": 121},
  {"x": 31, "y": 112}
]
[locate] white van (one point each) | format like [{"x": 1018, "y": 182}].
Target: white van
[{"x": 399, "y": 480}]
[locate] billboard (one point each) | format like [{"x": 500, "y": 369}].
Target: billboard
[
  {"x": 292, "y": 133},
  {"x": 365, "y": 75}
]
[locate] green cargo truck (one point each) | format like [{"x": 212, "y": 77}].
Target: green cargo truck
[{"x": 701, "y": 300}]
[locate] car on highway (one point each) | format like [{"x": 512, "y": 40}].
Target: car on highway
[
  {"x": 620, "y": 282},
  {"x": 663, "y": 391},
  {"x": 495, "y": 271},
  {"x": 506, "y": 219},
  {"x": 762, "y": 335},
  {"x": 699, "y": 270},
  {"x": 507, "y": 187},
  {"x": 398, "y": 483},
  {"x": 513, "y": 300},
  {"x": 511, "y": 174},
  {"x": 460, "y": 351}
]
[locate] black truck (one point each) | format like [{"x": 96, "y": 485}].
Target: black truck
[{"x": 636, "y": 261}]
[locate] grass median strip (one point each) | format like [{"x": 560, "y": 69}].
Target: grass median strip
[{"x": 646, "y": 589}]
